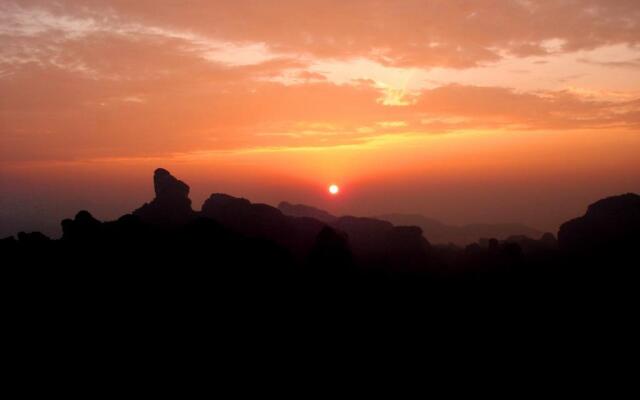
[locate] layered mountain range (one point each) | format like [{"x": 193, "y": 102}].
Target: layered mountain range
[
  {"x": 435, "y": 231},
  {"x": 242, "y": 232}
]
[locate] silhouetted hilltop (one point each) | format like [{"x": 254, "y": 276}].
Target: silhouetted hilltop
[
  {"x": 301, "y": 210},
  {"x": 31, "y": 238},
  {"x": 609, "y": 224},
  {"x": 434, "y": 230},
  {"x": 373, "y": 242},
  {"x": 83, "y": 227},
  {"x": 379, "y": 243},
  {"x": 171, "y": 204},
  {"x": 263, "y": 221},
  {"x": 438, "y": 232},
  {"x": 547, "y": 242}
]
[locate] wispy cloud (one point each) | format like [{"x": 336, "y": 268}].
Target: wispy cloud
[{"x": 112, "y": 79}]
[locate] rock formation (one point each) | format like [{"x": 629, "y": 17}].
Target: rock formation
[
  {"x": 609, "y": 225},
  {"x": 171, "y": 205},
  {"x": 83, "y": 227}
]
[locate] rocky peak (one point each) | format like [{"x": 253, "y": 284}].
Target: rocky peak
[
  {"x": 609, "y": 223},
  {"x": 171, "y": 204},
  {"x": 169, "y": 187}
]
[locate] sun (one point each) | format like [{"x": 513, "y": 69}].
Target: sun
[{"x": 334, "y": 189}]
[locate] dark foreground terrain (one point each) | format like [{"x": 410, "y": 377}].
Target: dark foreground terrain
[
  {"x": 236, "y": 280},
  {"x": 237, "y": 264},
  {"x": 257, "y": 251}
]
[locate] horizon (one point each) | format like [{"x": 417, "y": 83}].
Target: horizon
[{"x": 509, "y": 112}]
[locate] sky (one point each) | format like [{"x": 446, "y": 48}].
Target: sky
[{"x": 465, "y": 111}]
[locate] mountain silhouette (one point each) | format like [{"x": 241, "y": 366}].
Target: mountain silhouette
[
  {"x": 441, "y": 233},
  {"x": 171, "y": 204},
  {"x": 249, "y": 252},
  {"x": 380, "y": 244},
  {"x": 301, "y": 210},
  {"x": 298, "y": 235},
  {"x": 435, "y": 231},
  {"x": 374, "y": 242},
  {"x": 547, "y": 242},
  {"x": 611, "y": 224}
]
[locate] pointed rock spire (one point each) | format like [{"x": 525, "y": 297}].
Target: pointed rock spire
[{"x": 171, "y": 204}]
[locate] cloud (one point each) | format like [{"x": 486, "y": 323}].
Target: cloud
[
  {"x": 632, "y": 63},
  {"x": 202, "y": 107},
  {"x": 454, "y": 33},
  {"x": 107, "y": 79}
]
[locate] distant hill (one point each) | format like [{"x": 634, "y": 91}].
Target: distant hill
[
  {"x": 435, "y": 231},
  {"x": 373, "y": 241},
  {"x": 301, "y": 210},
  {"x": 438, "y": 232}
]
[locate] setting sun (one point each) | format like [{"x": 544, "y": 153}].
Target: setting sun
[{"x": 334, "y": 189}]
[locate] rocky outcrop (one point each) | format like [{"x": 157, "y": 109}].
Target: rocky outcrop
[
  {"x": 83, "y": 227},
  {"x": 171, "y": 205},
  {"x": 609, "y": 225}
]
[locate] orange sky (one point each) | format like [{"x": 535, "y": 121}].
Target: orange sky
[{"x": 466, "y": 111}]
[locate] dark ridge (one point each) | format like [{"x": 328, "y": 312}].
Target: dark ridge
[
  {"x": 435, "y": 231},
  {"x": 301, "y": 210},
  {"x": 253, "y": 256},
  {"x": 438, "y": 232},
  {"x": 611, "y": 223}
]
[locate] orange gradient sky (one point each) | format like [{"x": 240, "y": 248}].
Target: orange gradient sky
[{"x": 465, "y": 111}]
